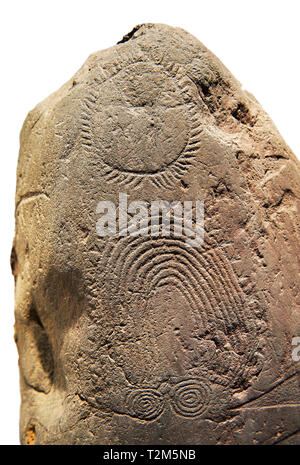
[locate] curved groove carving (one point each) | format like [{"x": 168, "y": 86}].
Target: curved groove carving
[
  {"x": 137, "y": 267},
  {"x": 145, "y": 404},
  {"x": 190, "y": 398}
]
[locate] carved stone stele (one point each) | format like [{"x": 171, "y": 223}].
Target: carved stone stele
[{"x": 141, "y": 339}]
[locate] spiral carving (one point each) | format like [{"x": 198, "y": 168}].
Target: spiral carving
[
  {"x": 190, "y": 398},
  {"x": 145, "y": 404}
]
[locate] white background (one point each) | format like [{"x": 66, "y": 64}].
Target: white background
[{"x": 43, "y": 43}]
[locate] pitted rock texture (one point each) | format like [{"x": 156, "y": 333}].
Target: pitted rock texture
[{"x": 141, "y": 339}]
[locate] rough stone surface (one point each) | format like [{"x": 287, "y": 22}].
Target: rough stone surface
[{"x": 142, "y": 340}]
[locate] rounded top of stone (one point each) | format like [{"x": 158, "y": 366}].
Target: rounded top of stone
[{"x": 143, "y": 28}]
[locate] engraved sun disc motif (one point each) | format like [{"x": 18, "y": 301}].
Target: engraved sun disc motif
[
  {"x": 141, "y": 124},
  {"x": 145, "y": 127}
]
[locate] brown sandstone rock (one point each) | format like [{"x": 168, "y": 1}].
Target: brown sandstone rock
[{"x": 141, "y": 339}]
